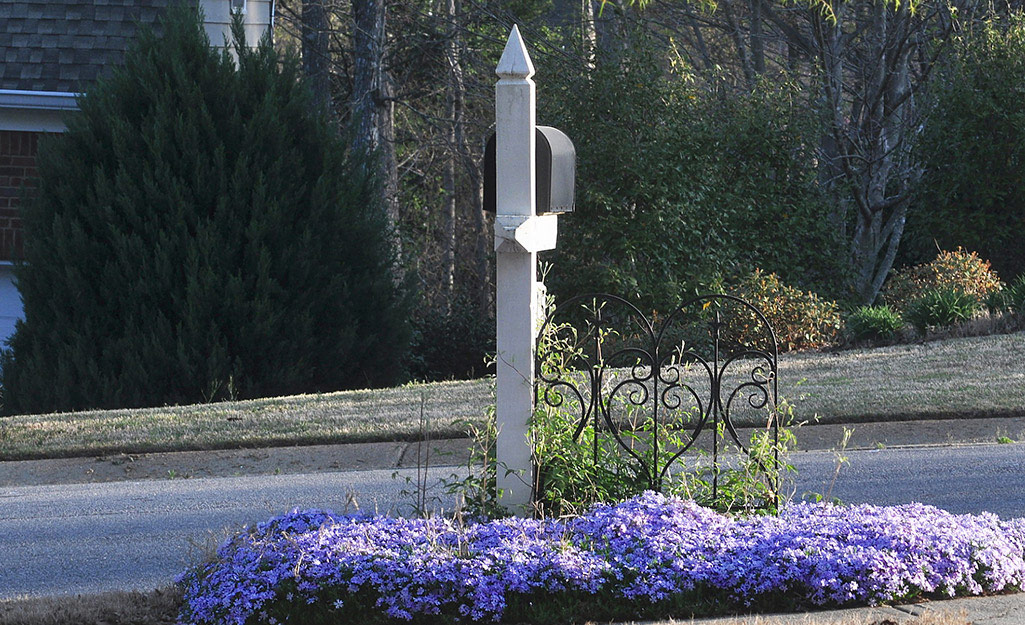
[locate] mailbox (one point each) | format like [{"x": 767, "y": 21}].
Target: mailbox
[{"x": 555, "y": 163}]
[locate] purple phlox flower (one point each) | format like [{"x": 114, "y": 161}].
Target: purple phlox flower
[{"x": 646, "y": 549}]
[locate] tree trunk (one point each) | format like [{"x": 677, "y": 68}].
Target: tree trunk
[
  {"x": 589, "y": 34},
  {"x": 614, "y": 32},
  {"x": 757, "y": 38},
  {"x": 888, "y": 123},
  {"x": 389, "y": 166},
  {"x": 829, "y": 42},
  {"x": 315, "y": 52},
  {"x": 481, "y": 240},
  {"x": 453, "y": 114},
  {"x": 743, "y": 54},
  {"x": 372, "y": 104},
  {"x": 865, "y": 156}
]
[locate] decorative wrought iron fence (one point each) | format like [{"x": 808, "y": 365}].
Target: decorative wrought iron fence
[{"x": 649, "y": 387}]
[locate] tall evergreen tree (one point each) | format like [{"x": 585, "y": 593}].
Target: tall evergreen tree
[{"x": 201, "y": 231}]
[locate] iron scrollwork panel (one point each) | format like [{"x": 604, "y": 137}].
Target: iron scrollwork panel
[{"x": 651, "y": 387}]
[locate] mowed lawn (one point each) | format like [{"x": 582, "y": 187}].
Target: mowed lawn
[{"x": 967, "y": 377}]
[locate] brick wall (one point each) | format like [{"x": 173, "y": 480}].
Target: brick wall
[{"x": 17, "y": 168}]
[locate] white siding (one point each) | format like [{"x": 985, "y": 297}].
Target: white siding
[{"x": 218, "y": 20}]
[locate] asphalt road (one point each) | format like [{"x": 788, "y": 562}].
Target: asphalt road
[
  {"x": 87, "y": 538},
  {"x": 960, "y": 479}
]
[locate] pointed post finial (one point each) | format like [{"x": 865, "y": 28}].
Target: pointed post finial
[{"x": 515, "y": 62}]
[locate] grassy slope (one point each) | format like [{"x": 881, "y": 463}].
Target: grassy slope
[
  {"x": 968, "y": 377},
  {"x": 351, "y": 416}
]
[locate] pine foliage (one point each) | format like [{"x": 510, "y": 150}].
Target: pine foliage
[{"x": 200, "y": 232}]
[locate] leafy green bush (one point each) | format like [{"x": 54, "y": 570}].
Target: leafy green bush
[
  {"x": 996, "y": 301},
  {"x": 678, "y": 184},
  {"x": 567, "y": 480},
  {"x": 1014, "y": 299},
  {"x": 972, "y": 192},
  {"x": 940, "y": 308},
  {"x": 801, "y": 319},
  {"x": 873, "y": 322},
  {"x": 960, "y": 271},
  {"x": 198, "y": 233}
]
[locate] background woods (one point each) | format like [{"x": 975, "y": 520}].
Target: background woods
[
  {"x": 713, "y": 138},
  {"x": 800, "y": 153}
]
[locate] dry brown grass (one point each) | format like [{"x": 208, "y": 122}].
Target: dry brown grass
[
  {"x": 351, "y": 416},
  {"x": 114, "y": 608},
  {"x": 951, "y": 378}
]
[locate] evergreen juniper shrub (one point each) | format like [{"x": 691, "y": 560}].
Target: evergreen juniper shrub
[
  {"x": 201, "y": 231},
  {"x": 452, "y": 344}
]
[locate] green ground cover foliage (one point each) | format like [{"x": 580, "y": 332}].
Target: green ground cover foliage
[
  {"x": 201, "y": 232},
  {"x": 941, "y": 308},
  {"x": 873, "y": 323}
]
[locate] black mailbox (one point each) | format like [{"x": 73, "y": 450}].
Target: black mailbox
[{"x": 556, "y": 165}]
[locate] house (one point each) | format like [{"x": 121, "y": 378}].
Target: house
[{"x": 51, "y": 51}]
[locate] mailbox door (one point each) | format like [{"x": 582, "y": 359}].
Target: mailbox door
[
  {"x": 560, "y": 167},
  {"x": 555, "y": 171}
]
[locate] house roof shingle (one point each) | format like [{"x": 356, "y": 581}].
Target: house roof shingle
[{"x": 64, "y": 45}]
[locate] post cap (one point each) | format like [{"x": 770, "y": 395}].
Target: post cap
[{"x": 515, "y": 62}]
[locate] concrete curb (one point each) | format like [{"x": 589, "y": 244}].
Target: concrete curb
[
  {"x": 233, "y": 462},
  {"x": 447, "y": 452}
]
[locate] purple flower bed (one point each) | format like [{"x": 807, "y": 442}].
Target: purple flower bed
[{"x": 649, "y": 556}]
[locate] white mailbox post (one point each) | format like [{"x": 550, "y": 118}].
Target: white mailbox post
[{"x": 519, "y": 235}]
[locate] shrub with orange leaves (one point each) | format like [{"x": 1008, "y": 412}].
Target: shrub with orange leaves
[
  {"x": 800, "y": 319},
  {"x": 960, "y": 271}
]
